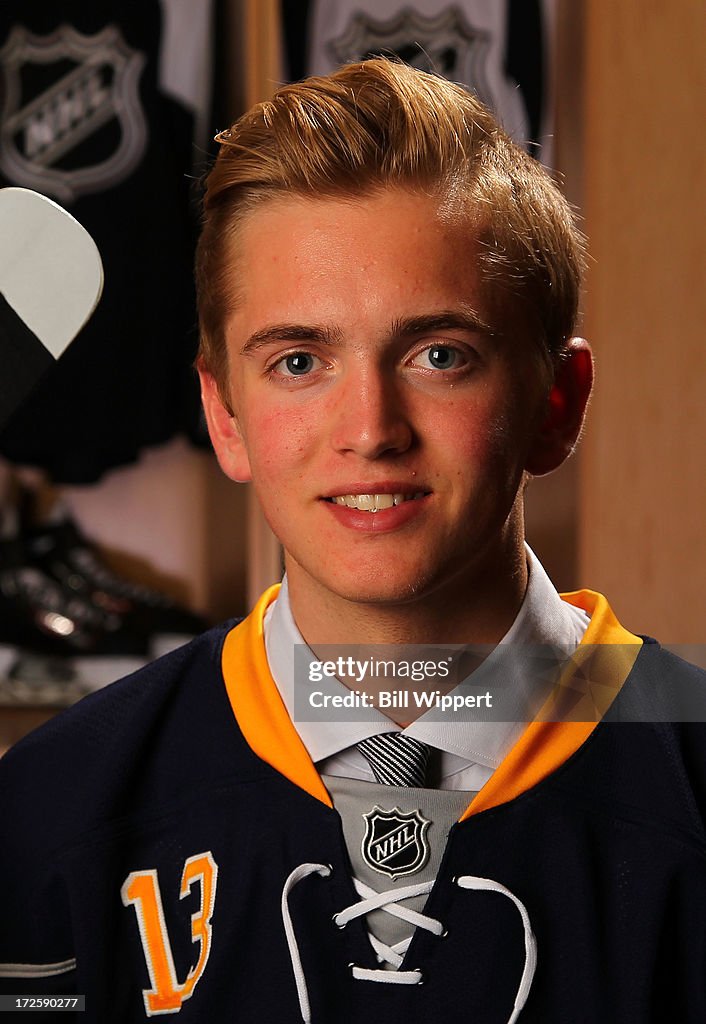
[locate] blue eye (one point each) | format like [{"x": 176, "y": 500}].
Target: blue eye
[
  {"x": 441, "y": 357},
  {"x": 297, "y": 364}
]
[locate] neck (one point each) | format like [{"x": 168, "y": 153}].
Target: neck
[{"x": 477, "y": 610}]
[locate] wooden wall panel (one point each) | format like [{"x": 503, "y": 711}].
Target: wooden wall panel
[{"x": 644, "y": 488}]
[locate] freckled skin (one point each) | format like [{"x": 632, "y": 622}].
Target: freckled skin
[{"x": 371, "y": 407}]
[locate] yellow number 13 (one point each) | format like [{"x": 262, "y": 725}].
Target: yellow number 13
[{"x": 141, "y": 891}]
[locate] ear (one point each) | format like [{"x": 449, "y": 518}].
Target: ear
[
  {"x": 565, "y": 409},
  {"x": 225, "y": 434}
]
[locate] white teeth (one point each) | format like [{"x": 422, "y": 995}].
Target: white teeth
[
  {"x": 384, "y": 501},
  {"x": 374, "y": 502}
]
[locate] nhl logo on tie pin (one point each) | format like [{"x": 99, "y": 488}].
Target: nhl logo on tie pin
[{"x": 395, "y": 842}]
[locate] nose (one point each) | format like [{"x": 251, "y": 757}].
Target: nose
[{"x": 371, "y": 418}]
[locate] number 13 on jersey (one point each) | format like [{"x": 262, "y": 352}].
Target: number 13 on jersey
[{"x": 141, "y": 891}]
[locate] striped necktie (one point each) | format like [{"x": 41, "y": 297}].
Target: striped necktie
[{"x": 396, "y": 759}]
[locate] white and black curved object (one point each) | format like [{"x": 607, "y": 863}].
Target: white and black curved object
[{"x": 51, "y": 279}]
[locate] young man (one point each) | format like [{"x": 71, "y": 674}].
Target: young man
[{"x": 388, "y": 293}]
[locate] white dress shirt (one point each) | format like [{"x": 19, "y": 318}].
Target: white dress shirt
[{"x": 464, "y": 753}]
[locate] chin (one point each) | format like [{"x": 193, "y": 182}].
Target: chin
[{"x": 380, "y": 587}]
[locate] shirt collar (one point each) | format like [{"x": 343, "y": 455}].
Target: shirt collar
[{"x": 543, "y": 619}]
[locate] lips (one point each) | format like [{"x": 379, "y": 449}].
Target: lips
[{"x": 379, "y": 508}]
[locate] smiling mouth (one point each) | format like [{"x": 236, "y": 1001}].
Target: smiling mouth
[{"x": 374, "y": 502}]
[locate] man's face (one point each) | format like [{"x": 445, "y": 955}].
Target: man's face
[{"x": 369, "y": 370}]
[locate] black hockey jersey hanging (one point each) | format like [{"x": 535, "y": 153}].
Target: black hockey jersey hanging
[
  {"x": 84, "y": 119},
  {"x": 495, "y": 47}
]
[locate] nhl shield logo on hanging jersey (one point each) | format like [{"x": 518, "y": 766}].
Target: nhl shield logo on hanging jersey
[
  {"x": 445, "y": 43},
  {"x": 71, "y": 120},
  {"x": 395, "y": 842}
]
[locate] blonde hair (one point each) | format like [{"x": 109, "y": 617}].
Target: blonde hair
[{"x": 381, "y": 124}]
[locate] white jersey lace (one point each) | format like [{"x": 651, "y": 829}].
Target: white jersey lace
[{"x": 393, "y": 956}]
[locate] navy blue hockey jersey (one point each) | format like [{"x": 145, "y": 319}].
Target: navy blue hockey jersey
[{"x": 168, "y": 848}]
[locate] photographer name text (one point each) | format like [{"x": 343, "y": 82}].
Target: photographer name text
[{"x": 424, "y": 700}]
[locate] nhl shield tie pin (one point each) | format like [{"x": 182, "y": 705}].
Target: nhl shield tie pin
[{"x": 395, "y": 842}]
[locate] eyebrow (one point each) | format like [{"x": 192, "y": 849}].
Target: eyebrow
[
  {"x": 463, "y": 319},
  {"x": 289, "y": 332}
]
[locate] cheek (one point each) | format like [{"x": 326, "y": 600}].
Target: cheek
[
  {"x": 277, "y": 440},
  {"x": 474, "y": 434}
]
